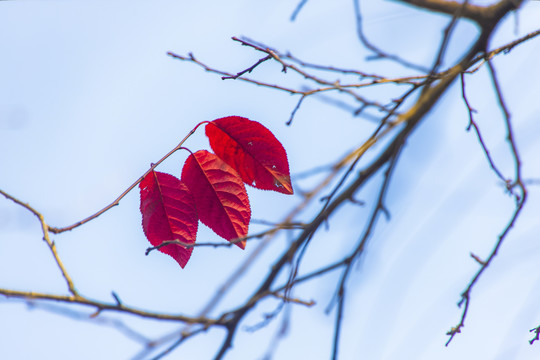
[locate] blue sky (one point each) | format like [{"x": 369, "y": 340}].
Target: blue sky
[{"x": 89, "y": 98}]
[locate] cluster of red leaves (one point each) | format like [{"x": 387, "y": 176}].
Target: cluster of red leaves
[{"x": 211, "y": 188}]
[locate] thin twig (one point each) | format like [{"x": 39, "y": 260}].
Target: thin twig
[
  {"x": 56, "y": 230},
  {"x": 297, "y": 9},
  {"x": 508, "y": 122},
  {"x": 104, "y": 306},
  {"x": 379, "y": 54},
  {"x": 411, "y": 119},
  {"x": 46, "y": 237},
  {"x": 446, "y": 38},
  {"x": 248, "y": 70},
  {"x": 520, "y": 202},
  {"x": 349, "y": 260},
  {"x": 309, "y": 303},
  {"x": 222, "y": 244},
  {"x": 474, "y": 125}
]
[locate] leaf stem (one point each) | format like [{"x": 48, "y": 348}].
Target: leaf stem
[{"x": 55, "y": 230}]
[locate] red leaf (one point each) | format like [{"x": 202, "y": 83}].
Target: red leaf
[
  {"x": 253, "y": 151},
  {"x": 220, "y": 196},
  {"x": 168, "y": 213}
]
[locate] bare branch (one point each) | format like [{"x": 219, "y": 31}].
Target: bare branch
[
  {"x": 349, "y": 260},
  {"x": 474, "y": 125},
  {"x": 104, "y": 306},
  {"x": 46, "y": 237},
  {"x": 510, "y": 132},
  {"x": 379, "y": 54},
  {"x": 520, "y": 198},
  {"x": 223, "y": 244}
]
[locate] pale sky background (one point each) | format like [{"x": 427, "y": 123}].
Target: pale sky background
[{"x": 89, "y": 98}]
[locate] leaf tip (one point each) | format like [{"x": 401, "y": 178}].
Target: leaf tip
[
  {"x": 241, "y": 244},
  {"x": 282, "y": 184}
]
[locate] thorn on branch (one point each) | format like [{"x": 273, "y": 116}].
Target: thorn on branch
[
  {"x": 356, "y": 201},
  {"x": 537, "y": 337},
  {"x": 386, "y": 212},
  {"x": 96, "y": 313},
  {"x": 326, "y": 223},
  {"x": 284, "y": 67},
  {"x": 478, "y": 260},
  {"x": 117, "y": 299},
  {"x": 454, "y": 330},
  {"x": 358, "y": 111},
  {"x": 464, "y": 299}
]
